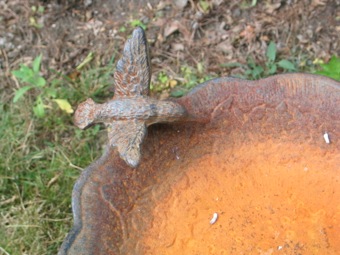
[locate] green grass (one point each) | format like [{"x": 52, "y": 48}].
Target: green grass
[{"x": 41, "y": 158}]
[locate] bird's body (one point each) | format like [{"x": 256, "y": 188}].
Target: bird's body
[
  {"x": 131, "y": 110},
  {"x": 146, "y": 109}
]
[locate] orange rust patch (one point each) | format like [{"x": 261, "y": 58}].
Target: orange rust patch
[{"x": 270, "y": 199}]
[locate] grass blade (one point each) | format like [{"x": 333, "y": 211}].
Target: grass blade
[
  {"x": 36, "y": 64},
  {"x": 20, "y": 92}
]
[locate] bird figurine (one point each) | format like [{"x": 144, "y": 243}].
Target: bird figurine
[{"x": 128, "y": 114}]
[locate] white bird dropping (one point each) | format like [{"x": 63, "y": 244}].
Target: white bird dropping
[
  {"x": 214, "y": 218},
  {"x": 326, "y": 137}
]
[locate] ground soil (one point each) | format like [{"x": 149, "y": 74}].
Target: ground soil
[{"x": 180, "y": 32}]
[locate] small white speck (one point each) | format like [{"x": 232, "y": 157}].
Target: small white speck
[
  {"x": 214, "y": 218},
  {"x": 175, "y": 151},
  {"x": 279, "y": 248},
  {"x": 326, "y": 137}
]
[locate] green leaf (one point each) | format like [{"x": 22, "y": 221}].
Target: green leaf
[
  {"x": 335, "y": 62},
  {"x": 204, "y": 5},
  {"x": 138, "y": 23},
  {"x": 51, "y": 92},
  {"x": 326, "y": 67},
  {"x": 23, "y": 74},
  {"x": 272, "y": 69},
  {"x": 39, "y": 108},
  {"x": 240, "y": 76},
  {"x": 64, "y": 105},
  {"x": 257, "y": 71},
  {"x": 36, "y": 81},
  {"x": 39, "y": 81},
  {"x": 331, "y": 69},
  {"x": 177, "y": 93},
  {"x": 271, "y": 51},
  {"x": 251, "y": 62},
  {"x": 20, "y": 92},
  {"x": 36, "y": 64},
  {"x": 19, "y": 74},
  {"x": 163, "y": 78},
  {"x": 253, "y": 3},
  {"x": 231, "y": 65},
  {"x": 286, "y": 64},
  {"x": 335, "y": 76},
  {"x": 95, "y": 129},
  {"x": 26, "y": 69},
  {"x": 248, "y": 72},
  {"x": 41, "y": 9}
]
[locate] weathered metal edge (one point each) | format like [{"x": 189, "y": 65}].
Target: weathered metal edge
[{"x": 76, "y": 201}]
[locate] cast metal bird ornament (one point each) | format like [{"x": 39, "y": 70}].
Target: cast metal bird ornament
[{"x": 131, "y": 110}]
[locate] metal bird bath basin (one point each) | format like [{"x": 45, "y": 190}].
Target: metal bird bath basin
[{"x": 247, "y": 170}]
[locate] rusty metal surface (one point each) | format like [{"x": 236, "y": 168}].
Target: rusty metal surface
[
  {"x": 131, "y": 110},
  {"x": 222, "y": 112}
]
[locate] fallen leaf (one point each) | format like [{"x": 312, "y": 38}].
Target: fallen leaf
[
  {"x": 172, "y": 83},
  {"x": 248, "y": 33},
  {"x": 177, "y": 46},
  {"x": 74, "y": 74},
  {"x": 171, "y": 28},
  {"x": 64, "y": 105},
  {"x": 316, "y": 3}
]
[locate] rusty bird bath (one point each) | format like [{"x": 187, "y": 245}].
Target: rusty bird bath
[{"x": 251, "y": 152}]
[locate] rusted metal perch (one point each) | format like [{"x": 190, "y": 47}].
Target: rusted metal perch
[{"x": 131, "y": 110}]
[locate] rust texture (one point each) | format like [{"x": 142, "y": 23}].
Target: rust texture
[
  {"x": 292, "y": 107},
  {"x": 131, "y": 110}
]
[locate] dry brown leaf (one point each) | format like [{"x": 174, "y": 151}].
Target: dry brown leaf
[
  {"x": 172, "y": 83},
  {"x": 248, "y": 33},
  {"x": 171, "y": 28},
  {"x": 316, "y": 3},
  {"x": 177, "y": 46}
]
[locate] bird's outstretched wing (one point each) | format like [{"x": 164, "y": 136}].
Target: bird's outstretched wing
[
  {"x": 132, "y": 75},
  {"x": 127, "y": 136}
]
